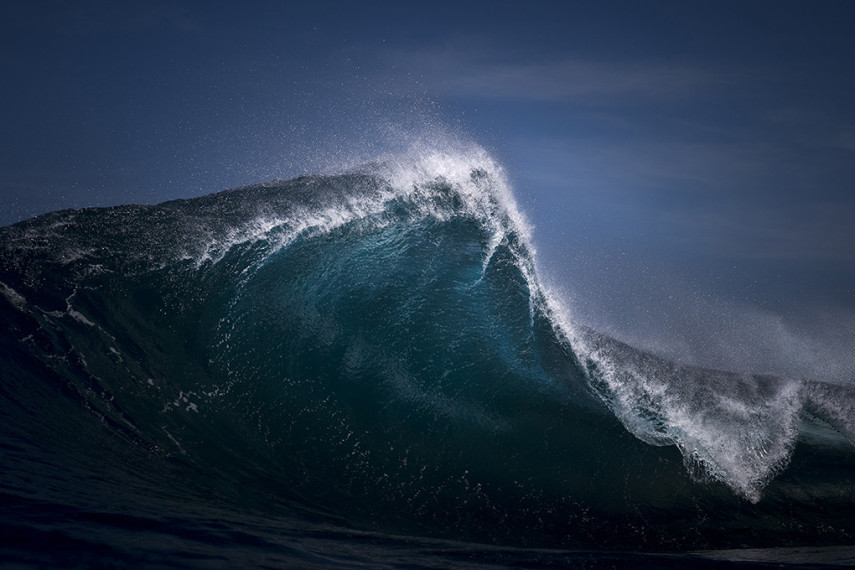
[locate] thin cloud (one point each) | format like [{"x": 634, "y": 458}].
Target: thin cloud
[
  {"x": 647, "y": 162},
  {"x": 454, "y": 72}
]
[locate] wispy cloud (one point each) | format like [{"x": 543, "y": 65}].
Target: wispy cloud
[
  {"x": 457, "y": 71},
  {"x": 688, "y": 167}
]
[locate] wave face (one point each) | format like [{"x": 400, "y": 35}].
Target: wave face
[{"x": 373, "y": 350}]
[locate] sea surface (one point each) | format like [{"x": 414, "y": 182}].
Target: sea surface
[{"x": 365, "y": 370}]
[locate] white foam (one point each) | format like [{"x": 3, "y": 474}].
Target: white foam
[
  {"x": 737, "y": 429},
  {"x": 74, "y": 313},
  {"x": 835, "y": 403},
  {"x": 214, "y": 250},
  {"x": 79, "y": 317},
  {"x": 16, "y": 299},
  {"x": 421, "y": 177}
]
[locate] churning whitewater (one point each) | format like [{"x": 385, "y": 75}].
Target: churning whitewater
[{"x": 373, "y": 350}]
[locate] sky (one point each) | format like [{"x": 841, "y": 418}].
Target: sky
[{"x": 689, "y": 167}]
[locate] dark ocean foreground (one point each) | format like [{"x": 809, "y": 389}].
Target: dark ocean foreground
[{"x": 363, "y": 370}]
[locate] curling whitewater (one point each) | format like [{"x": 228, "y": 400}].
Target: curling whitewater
[{"x": 373, "y": 351}]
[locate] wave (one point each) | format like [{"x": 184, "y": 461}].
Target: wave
[{"x": 374, "y": 349}]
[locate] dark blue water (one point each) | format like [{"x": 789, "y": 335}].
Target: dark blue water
[{"x": 364, "y": 370}]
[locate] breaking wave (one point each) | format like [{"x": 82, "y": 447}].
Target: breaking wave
[{"x": 374, "y": 350}]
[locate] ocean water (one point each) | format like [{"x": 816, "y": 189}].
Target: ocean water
[{"x": 364, "y": 370}]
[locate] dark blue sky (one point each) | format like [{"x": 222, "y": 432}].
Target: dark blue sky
[{"x": 689, "y": 166}]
